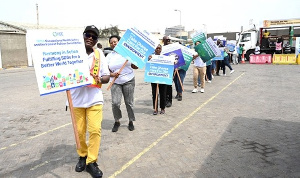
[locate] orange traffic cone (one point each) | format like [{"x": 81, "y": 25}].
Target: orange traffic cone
[{"x": 243, "y": 58}]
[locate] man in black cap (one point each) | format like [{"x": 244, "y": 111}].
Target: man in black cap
[{"x": 88, "y": 104}]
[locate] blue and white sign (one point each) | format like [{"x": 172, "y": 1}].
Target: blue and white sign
[
  {"x": 219, "y": 57},
  {"x": 231, "y": 47},
  {"x": 174, "y": 50},
  {"x": 59, "y": 58},
  {"x": 136, "y": 46},
  {"x": 160, "y": 69}
]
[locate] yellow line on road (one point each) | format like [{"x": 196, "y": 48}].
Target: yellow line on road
[
  {"x": 170, "y": 131},
  {"x": 15, "y": 144},
  {"x": 44, "y": 133}
]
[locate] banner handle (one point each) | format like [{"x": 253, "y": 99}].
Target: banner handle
[
  {"x": 179, "y": 79},
  {"x": 73, "y": 119},
  {"x": 115, "y": 78},
  {"x": 156, "y": 97}
]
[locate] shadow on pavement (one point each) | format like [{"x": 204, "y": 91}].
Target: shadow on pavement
[
  {"x": 52, "y": 158},
  {"x": 247, "y": 149}
]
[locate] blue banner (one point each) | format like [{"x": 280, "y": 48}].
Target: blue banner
[
  {"x": 219, "y": 57},
  {"x": 174, "y": 50},
  {"x": 136, "y": 46},
  {"x": 160, "y": 69},
  {"x": 231, "y": 47}
]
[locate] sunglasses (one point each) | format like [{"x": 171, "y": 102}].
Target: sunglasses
[{"x": 87, "y": 35}]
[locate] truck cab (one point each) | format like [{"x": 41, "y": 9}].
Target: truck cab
[{"x": 249, "y": 39}]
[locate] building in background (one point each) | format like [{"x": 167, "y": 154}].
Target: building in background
[
  {"x": 12, "y": 46},
  {"x": 177, "y": 32}
]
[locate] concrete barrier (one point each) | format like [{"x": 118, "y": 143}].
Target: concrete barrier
[
  {"x": 261, "y": 59},
  {"x": 284, "y": 59}
]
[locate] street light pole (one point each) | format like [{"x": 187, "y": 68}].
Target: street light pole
[
  {"x": 179, "y": 20},
  {"x": 179, "y": 16},
  {"x": 37, "y": 16},
  {"x": 204, "y": 29}
]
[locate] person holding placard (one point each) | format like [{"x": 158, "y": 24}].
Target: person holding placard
[
  {"x": 123, "y": 85},
  {"x": 199, "y": 70},
  {"x": 218, "y": 62},
  {"x": 166, "y": 41},
  {"x": 178, "y": 84},
  {"x": 226, "y": 62},
  {"x": 88, "y": 104},
  {"x": 208, "y": 71},
  {"x": 162, "y": 90}
]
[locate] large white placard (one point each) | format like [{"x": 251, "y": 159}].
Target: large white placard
[{"x": 59, "y": 59}]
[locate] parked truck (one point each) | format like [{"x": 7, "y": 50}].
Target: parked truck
[{"x": 287, "y": 30}]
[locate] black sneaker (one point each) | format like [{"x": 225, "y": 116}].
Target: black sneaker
[
  {"x": 179, "y": 98},
  {"x": 80, "y": 166},
  {"x": 130, "y": 126},
  {"x": 169, "y": 104},
  {"x": 176, "y": 97},
  {"x": 116, "y": 127},
  {"x": 93, "y": 169}
]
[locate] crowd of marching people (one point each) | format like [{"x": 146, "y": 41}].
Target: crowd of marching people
[{"x": 88, "y": 100}]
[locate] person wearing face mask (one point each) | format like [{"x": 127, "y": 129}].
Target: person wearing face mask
[
  {"x": 123, "y": 85},
  {"x": 88, "y": 104}
]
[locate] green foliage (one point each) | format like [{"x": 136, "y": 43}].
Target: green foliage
[{"x": 107, "y": 32}]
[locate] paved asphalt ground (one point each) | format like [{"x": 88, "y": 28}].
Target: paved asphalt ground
[{"x": 245, "y": 125}]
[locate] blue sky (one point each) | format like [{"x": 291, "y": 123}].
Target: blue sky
[{"x": 154, "y": 15}]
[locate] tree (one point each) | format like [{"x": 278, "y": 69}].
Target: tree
[{"x": 107, "y": 32}]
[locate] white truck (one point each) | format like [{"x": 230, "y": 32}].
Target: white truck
[{"x": 283, "y": 29}]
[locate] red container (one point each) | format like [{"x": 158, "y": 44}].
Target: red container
[{"x": 261, "y": 59}]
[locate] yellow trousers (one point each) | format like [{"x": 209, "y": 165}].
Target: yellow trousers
[{"x": 90, "y": 119}]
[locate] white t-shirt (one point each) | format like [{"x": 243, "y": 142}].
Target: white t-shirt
[
  {"x": 199, "y": 63},
  {"x": 115, "y": 62},
  {"x": 257, "y": 50},
  {"x": 85, "y": 97}
]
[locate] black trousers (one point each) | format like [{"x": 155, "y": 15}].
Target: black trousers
[
  {"x": 162, "y": 95},
  {"x": 218, "y": 65},
  {"x": 169, "y": 93}
]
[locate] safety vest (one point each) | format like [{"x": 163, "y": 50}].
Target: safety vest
[{"x": 95, "y": 68}]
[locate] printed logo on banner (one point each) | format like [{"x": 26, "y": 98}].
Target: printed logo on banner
[
  {"x": 58, "y": 59},
  {"x": 175, "y": 50}
]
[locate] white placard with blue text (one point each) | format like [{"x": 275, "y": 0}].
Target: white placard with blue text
[
  {"x": 59, "y": 59},
  {"x": 160, "y": 69},
  {"x": 136, "y": 46}
]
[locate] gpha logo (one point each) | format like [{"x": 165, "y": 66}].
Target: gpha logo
[{"x": 55, "y": 34}]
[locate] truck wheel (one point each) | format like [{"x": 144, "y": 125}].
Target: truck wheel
[{"x": 247, "y": 56}]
